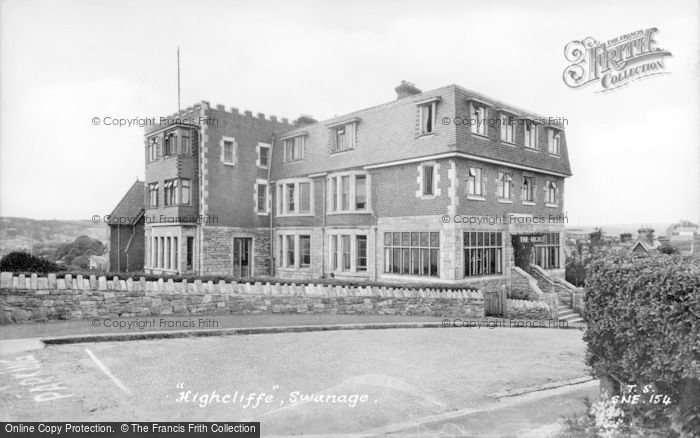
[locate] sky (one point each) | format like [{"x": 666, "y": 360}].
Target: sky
[{"x": 634, "y": 152}]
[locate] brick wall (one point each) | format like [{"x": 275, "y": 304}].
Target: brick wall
[{"x": 77, "y": 298}]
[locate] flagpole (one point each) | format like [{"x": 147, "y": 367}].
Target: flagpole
[{"x": 178, "y": 79}]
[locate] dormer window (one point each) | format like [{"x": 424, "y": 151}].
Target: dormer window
[
  {"x": 293, "y": 148},
  {"x": 553, "y": 141},
  {"x": 507, "y": 128},
  {"x": 343, "y": 136},
  {"x": 530, "y": 133},
  {"x": 427, "y": 115},
  {"x": 479, "y": 114}
]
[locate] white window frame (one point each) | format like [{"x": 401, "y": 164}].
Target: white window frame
[
  {"x": 507, "y": 127},
  {"x": 352, "y": 194},
  {"x": 524, "y": 192},
  {"x": 234, "y": 152},
  {"x": 153, "y": 190},
  {"x": 502, "y": 185},
  {"x": 475, "y": 179},
  {"x": 258, "y": 152},
  {"x": 420, "y": 193},
  {"x": 336, "y": 236},
  {"x": 550, "y": 192},
  {"x": 553, "y": 141},
  {"x": 530, "y": 137},
  {"x": 282, "y": 242},
  {"x": 479, "y": 125},
  {"x": 282, "y": 194},
  {"x": 427, "y": 106},
  {"x": 350, "y": 143},
  {"x": 256, "y": 205},
  {"x": 296, "y": 141}
]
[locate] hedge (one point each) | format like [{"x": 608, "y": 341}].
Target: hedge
[{"x": 643, "y": 315}]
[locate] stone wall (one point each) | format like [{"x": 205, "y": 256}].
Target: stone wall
[{"x": 51, "y": 297}]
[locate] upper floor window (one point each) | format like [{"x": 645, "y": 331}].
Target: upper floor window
[
  {"x": 528, "y": 189},
  {"x": 261, "y": 197},
  {"x": 553, "y": 141},
  {"x": 176, "y": 192},
  {"x": 153, "y": 195},
  {"x": 229, "y": 150},
  {"x": 474, "y": 182},
  {"x": 293, "y": 148},
  {"x": 478, "y": 118},
  {"x": 360, "y": 192},
  {"x": 507, "y": 128},
  {"x": 427, "y": 113},
  {"x": 550, "y": 192},
  {"x": 343, "y": 137},
  {"x": 185, "y": 144},
  {"x": 263, "y": 155},
  {"x": 530, "y": 133},
  {"x": 290, "y": 198},
  {"x": 295, "y": 198},
  {"x": 170, "y": 144},
  {"x": 505, "y": 181},
  {"x": 152, "y": 149},
  {"x": 428, "y": 180},
  {"x": 348, "y": 192}
]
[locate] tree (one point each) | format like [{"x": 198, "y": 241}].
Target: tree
[
  {"x": 304, "y": 120},
  {"x": 22, "y": 261}
]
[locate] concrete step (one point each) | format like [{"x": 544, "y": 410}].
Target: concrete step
[{"x": 566, "y": 312}]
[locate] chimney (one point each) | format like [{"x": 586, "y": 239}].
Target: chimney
[
  {"x": 406, "y": 89},
  {"x": 646, "y": 234}
]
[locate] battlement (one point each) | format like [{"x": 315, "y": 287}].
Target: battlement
[
  {"x": 192, "y": 115},
  {"x": 249, "y": 114}
]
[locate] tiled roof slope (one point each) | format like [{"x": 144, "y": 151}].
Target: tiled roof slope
[{"x": 132, "y": 203}]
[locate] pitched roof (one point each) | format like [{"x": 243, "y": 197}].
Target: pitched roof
[{"x": 133, "y": 202}]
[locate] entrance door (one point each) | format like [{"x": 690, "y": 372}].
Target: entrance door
[
  {"x": 241, "y": 256},
  {"x": 522, "y": 251}
]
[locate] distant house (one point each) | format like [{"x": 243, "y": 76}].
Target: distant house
[
  {"x": 646, "y": 242},
  {"x": 98, "y": 263},
  {"x": 126, "y": 231},
  {"x": 683, "y": 230}
]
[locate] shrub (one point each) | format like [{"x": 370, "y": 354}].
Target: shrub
[
  {"x": 644, "y": 328},
  {"x": 23, "y": 261},
  {"x": 576, "y": 271}
]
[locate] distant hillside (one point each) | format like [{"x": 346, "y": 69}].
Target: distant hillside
[{"x": 19, "y": 233}]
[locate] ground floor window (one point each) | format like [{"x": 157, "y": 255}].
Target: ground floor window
[
  {"x": 547, "y": 252},
  {"x": 348, "y": 252},
  {"x": 294, "y": 250},
  {"x": 162, "y": 253},
  {"x": 483, "y": 253},
  {"x": 412, "y": 253}
]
